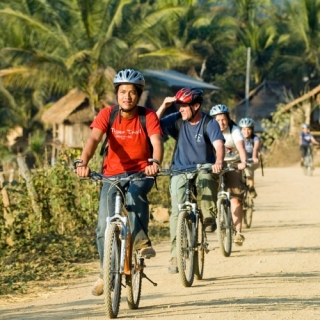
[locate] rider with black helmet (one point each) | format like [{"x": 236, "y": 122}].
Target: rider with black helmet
[
  {"x": 128, "y": 152},
  {"x": 192, "y": 148}
]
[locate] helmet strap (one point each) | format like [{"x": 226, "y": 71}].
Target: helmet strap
[{"x": 193, "y": 113}]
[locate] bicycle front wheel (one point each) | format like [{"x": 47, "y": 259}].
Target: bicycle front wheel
[
  {"x": 111, "y": 271},
  {"x": 200, "y": 251},
  {"x": 224, "y": 227},
  {"x": 185, "y": 248},
  {"x": 248, "y": 211},
  {"x": 134, "y": 282}
]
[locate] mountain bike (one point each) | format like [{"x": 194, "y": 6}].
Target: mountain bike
[
  {"x": 120, "y": 258},
  {"x": 225, "y": 228},
  {"x": 308, "y": 162},
  {"x": 191, "y": 239}
]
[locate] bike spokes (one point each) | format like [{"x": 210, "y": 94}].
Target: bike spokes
[
  {"x": 111, "y": 271},
  {"x": 185, "y": 248}
]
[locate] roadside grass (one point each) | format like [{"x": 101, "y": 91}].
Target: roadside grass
[{"x": 55, "y": 258}]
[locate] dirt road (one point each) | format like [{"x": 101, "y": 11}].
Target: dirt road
[{"x": 274, "y": 275}]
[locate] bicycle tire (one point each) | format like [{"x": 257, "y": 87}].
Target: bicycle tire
[
  {"x": 308, "y": 166},
  {"x": 199, "y": 255},
  {"x": 111, "y": 271},
  {"x": 185, "y": 248},
  {"x": 134, "y": 282},
  {"x": 224, "y": 227},
  {"x": 248, "y": 211}
]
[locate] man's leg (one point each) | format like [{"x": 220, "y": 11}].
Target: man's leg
[
  {"x": 207, "y": 188},
  {"x": 177, "y": 191},
  {"x": 138, "y": 210}
]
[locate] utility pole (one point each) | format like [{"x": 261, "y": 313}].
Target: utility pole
[{"x": 247, "y": 81}]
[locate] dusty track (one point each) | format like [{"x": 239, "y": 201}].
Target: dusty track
[{"x": 274, "y": 275}]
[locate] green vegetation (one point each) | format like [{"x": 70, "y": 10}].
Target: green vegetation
[
  {"x": 50, "y": 244},
  {"x": 49, "y": 47}
]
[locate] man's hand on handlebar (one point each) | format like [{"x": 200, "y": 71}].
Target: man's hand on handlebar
[
  {"x": 242, "y": 165},
  {"x": 81, "y": 169},
  {"x": 217, "y": 167},
  {"x": 153, "y": 168}
]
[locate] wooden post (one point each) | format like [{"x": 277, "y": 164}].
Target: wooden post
[{"x": 25, "y": 173}]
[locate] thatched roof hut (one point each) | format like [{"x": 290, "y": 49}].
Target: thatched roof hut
[
  {"x": 263, "y": 100},
  {"x": 305, "y": 109},
  {"x": 70, "y": 118}
]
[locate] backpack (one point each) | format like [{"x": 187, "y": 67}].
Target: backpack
[{"x": 113, "y": 115}]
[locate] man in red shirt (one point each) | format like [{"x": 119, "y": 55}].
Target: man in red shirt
[{"x": 128, "y": 152}]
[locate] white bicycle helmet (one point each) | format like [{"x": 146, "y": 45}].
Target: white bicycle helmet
[
  {"x": 246, "y": 123},
  {"x": 218, "y": 109},
  {"x": 305, "y": 125},
  {"x": 129, "y": 76}
]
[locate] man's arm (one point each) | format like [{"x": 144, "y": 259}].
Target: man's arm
[
  {"x": 220, "y": 150},
  {"x": 167, "y": 102},
  {"x": 243, "y": 154},
  {"x": 157, "y": 144},
  {"x": 88, "y": 151}
]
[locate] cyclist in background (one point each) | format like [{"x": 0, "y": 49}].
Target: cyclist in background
[
  {"x": 252, "y": 145},
  {"x": 128, "y": 153},
  {"x": 235, "y": 153},
  {"x": 193, "y": 147},
  {"x": 305, "y": 140}
]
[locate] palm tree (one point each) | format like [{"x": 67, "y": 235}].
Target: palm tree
[
  {"x": 302, "y": 53},
  {"x": 51, "y": 46}
]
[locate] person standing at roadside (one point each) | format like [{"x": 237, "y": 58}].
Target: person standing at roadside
[
  {"x": 128, "y": 152},
  {"x": 192, "y": 148},
  {"x": 252, "y": 145},
  {"x": 235, "y": 152}
]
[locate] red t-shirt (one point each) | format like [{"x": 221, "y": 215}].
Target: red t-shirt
[{"x": 128, "y": 149}]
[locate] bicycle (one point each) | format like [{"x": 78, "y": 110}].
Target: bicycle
[
  {"x": 225, "y": 227},
  {"x": 191, "y": 239},
  {"x": 308, "y": 162},
  {"x": 120, "y": 258}
]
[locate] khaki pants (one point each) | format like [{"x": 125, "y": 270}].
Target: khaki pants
[{"x": 207, "y": 188}]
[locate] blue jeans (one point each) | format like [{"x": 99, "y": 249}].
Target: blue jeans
[{"x": 136, "y": 204}]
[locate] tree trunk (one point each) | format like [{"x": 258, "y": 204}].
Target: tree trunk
[{"x": 25, "y": 173}]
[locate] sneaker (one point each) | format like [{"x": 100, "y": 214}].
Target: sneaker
[
  {"x": 97, "y": 289},
  {"x": 141, "y": 243},
  {"x": 173, "y": 266},
  {"x": 148, "y": 252},
  {"x": 253, "y": 192},
  {"x": 239, "y": 239},
  {"x": 209, "y": 225}
]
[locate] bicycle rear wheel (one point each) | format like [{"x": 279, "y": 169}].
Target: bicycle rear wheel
[
  {"x": 111, "y": 271},
  {"x": 248, "y": 211},
  {"x": 134, "y": 281},
  {"x": 308, "y": 165},
  {"x": 185, "y": 248},
  {"x": 224, "y": 227},
  {"x": 200, "y": 251}
]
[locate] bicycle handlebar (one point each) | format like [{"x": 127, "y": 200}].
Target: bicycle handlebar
[{"x": 96, "y": 176}]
